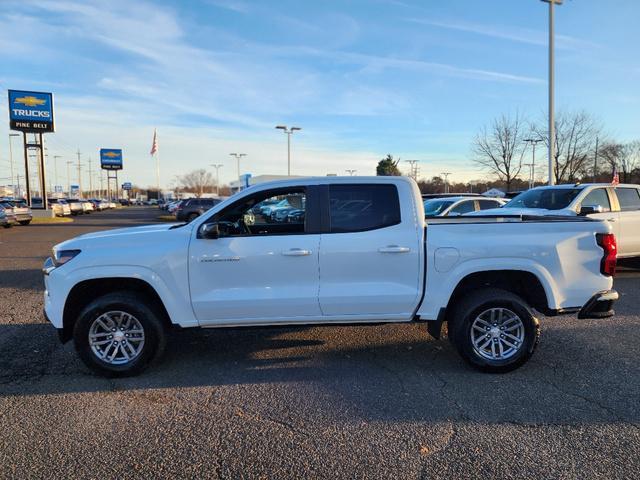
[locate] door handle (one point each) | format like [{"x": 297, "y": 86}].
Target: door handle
[
  {"x": 612, "y": 219},
  {"x": 296, "y": 252},
  {"x": 394, "y": 249}
]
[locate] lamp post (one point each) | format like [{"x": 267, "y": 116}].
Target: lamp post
[
  {"x": 288, "y": 131},
  {"x": 446, "y": 181},
  {"x": 217, "y": 166},
  {"x": 238, "y": 157},
  {"x": 69, "y": 163},
  {"x": 533, "y": 142},
  {"x": 11, "y": 160},
  {"x": 552, "y": 126},
  {"x": 55, "y": 169},
  {"x": 351, "y": 171}
]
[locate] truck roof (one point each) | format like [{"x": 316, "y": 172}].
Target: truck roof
[
  {"x": 586, "y": 185},
  {"x": 331, "y": 180}
]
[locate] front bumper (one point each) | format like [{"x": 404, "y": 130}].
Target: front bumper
[{"x": 600, "y": 305}]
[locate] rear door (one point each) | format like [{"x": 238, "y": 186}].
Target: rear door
[
  {"x": 629, "y": 220},
  {"x": 602, "y": 196},
  {"x": 370, "y": 255}
]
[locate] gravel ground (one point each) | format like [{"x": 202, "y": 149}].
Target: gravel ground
[{"x": 323, "y": 402}]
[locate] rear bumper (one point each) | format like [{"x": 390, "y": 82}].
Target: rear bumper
[{"x": 600, "y": 305}]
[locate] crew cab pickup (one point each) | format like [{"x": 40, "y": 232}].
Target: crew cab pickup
[{"x": 361, "y": 253}]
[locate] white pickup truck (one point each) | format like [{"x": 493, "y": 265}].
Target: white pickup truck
[{"x": 360, "y": 252}]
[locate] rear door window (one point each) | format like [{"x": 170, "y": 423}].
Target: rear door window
[
  {"x": 628, "y": 198},
  {"x": 467, "y": 206},
  {"x": 487, "y": 204},
  {"x": 362, "y": 207}
]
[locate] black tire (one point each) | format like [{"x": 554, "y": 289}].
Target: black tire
[
  {"x": 461, "y": 320},
  {"x": 25, "y": 222},
  {"x": 143, "y": 311},
  {"x": 192, "y": 217},
  {"x": 7, "y": 225}
]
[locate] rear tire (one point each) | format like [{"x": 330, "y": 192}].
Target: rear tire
[
  {"x": 192, "y": 217},
  {"x": 494, "y": 330},
  {"x": 127, "y": 334},
  {"x": 25, "y": 222}
]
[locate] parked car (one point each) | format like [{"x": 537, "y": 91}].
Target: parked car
[
  {"x": 485, "y": 279},
  {"x": 617, "y": 204},
  {"x": 7, "y": 218},
  {"x": 174, "y": 206},
  {"x": 21, "y": 211},
  {"x": 191, "y": 209},
  {"x": 257, "y": 209},
  {"x": 60, "y": 207},
  {"x": 75, "y": 205},
  {"x": 452, "y": 206},
  {"x": 87, "y": 206},
  {"x": 296, "y": 216},
  {"x": 287, "y": 204},
  {"x": 124, "y": 202},
  {"x": 112, "y": 204}
]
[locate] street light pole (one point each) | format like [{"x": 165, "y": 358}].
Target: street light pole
[
  {"x": 69, "y": 163},
  {"x": 351, "y": 171},
  {"x": 217, "y": 166},
  {"x": 552, "y": 126},
  {"x": 533, "y": 142},
  {"x": 288, "y": 131},
  {"x": 446, "y": 181},
  {"x": 55, "y": 169},
  {"x": 11, "y": 161},
  {"x": 238, "y": 157}
]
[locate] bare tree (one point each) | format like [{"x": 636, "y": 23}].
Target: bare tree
[
  {"x": 625, "y": 157},
  {"x": 197, "y": 182},
  {"x": 576, "y": 134},
  {"x": 500, "y": 148}
]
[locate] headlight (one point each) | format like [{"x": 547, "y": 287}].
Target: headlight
[{"x": 60, "y": 257}]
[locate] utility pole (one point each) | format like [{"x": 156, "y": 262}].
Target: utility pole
[
  {"x": 351, "y": 171},
  {"x": 238, "y": 156},
  {"x": 11, "y": 135},
  {"x": 413, "y": 171},
  {"x": 217, "y": 166},
  {"x": 79, "y": 175},
  {"x": 595, "y": 162},
  {"x": 288, "y": 131},
  {"x": 552, "y": 126},
  {"x": 532, "y": 167},
  {"x": 533, "y": 142},
  {"x": 446, "y": 181}
]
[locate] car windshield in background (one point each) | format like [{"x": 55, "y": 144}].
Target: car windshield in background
[
  {"x": 546, "y": 198},
  {"x": 436, "y": 207}
]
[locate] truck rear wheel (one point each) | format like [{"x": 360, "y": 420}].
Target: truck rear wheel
[
  {"x": 119, "y": 335},
  {"x": 494, "y": 330}
]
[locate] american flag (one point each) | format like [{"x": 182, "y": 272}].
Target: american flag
[
  {"x": 154, "y": 146},
  {"x": 616, "y": 178}
]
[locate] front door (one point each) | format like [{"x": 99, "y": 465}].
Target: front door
[{"x": 258, "y": 269}]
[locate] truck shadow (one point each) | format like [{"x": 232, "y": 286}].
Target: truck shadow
[{"x": 386, "y": 372}]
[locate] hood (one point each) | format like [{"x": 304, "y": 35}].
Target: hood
[{"x": 115, "y": 236}]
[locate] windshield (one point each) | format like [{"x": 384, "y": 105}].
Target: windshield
[
  {"x": 547, "y": 198},
  {"x": 436, "y": 207}
]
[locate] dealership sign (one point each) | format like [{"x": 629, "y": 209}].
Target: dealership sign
[
  {"x": 31, "y": 111},
  {"x": 126, "y": 186},
  {"x": 111, "y": 159}
]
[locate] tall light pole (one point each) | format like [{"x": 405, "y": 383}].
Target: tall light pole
[
  {"x": 533, "y": 142},
  {"x": 288, "y": 131},
  {"x": 55, "y": 169},
  {"x": 446, "y": 181},
  {"x": 69, "y": 163},
  {"x": 413, "y": 171},
  {"x": 217, "y": 166},
  {"x": 351, "y": 171},
  {"x": 552, "y": 125},
  {"x": 11, "y": 161},
  {"x": 238, "y": 157}
]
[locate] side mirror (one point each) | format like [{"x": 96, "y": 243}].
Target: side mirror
[
  {"x": 590, "y": 209},
  {"x": 210, "y": 231}
]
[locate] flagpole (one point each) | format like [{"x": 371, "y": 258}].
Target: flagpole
[{"x": 158, "y": 172}]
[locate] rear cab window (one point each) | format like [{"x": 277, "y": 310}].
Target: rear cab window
[
  {"x": 628, "y": 198},
  {"x": 362, "y": 207}
]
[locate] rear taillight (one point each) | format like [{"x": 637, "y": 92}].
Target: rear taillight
[{"x": 608, "y": 263}]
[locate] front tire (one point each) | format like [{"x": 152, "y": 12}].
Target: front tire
[
  {"x": 25, "y": 222},
  {"x": 494, "y": 330},
  {"x": 119, "y": 335}
]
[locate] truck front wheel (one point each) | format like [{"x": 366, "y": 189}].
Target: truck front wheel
[
  {"x": 119, "y": 334},
  {"x": 494, "y": 330}
]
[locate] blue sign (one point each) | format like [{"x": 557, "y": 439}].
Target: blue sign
[
  {"x": 126, "y": 186},
  {"x": 31, "y": 111},
  {"x": 111, "y": 158}
]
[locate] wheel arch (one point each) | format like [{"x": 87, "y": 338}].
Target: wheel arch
[{"x": 85, "y": 291}]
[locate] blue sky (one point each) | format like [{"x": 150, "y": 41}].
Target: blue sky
[{"x": 363, "y": 78}]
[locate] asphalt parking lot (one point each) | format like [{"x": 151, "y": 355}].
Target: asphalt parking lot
[{"x": 323, "y": 402}]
